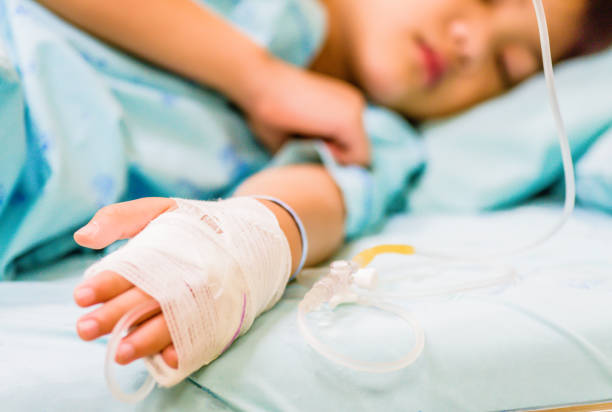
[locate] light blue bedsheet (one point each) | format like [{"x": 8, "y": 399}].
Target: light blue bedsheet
[
  {"x": 544, "y": 341},
  {"x": 594, "y": 175}
]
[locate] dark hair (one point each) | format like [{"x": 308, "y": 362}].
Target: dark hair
[{"x": 596, "y": 32}]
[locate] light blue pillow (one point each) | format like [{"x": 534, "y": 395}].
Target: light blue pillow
[
  {"x": 594, "y": 175},
  {"x": 507, "y": 150}
]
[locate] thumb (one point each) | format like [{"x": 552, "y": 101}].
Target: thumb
[
  {"x": 121, "y": 221},
  {"x": 351, "y": 145}
]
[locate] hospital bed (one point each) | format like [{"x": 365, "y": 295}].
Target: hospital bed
[{"x": 542, "y": 341}]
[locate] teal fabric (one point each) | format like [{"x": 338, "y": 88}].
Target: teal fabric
[
  {"x": 544, "y": 341},
  {"x": 507, "y": 150},
  {"x": 594, "y": 175},
  {"x": 98, "y": 126}
]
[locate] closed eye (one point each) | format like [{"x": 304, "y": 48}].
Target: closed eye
[{"x": 503, "y": 71}]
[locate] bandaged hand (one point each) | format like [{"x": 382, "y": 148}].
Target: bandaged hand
[
  {"x": 291, "y": 102},
  {"x": 212, "y": 266}
]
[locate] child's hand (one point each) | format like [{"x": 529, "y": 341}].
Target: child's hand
[
  {"x": 190, "y": 257},
  {"x": 291, "y": 101},
  {"x": 116, "y": 294}
]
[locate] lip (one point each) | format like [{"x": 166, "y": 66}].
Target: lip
[{"x": 434, "y": 64}]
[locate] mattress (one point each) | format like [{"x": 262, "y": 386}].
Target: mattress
[{"x": 542, "y": 340}]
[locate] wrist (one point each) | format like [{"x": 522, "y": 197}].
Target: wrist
[
  {"x": 291, "y": 230},
  {"x": 253, "y": 86}
]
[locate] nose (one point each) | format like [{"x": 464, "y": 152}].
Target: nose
[
  {"x": 461, "y": 41},
  {"x": 468, "y": 41}
]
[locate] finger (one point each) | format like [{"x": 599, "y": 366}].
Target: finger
[
  {"x": 102, "y": 320},
  {"x": 341, "y": 126},
  {"x": 170, "y": 357},
  {"x": 273, "y": 139},
  {"x": 121, "y": 221},
  {"x": 336, "y": 151},
  {"x": 100, "y": 288},
  {"x": 149, "y": 338},
  {"x": 352, "y": 147}
]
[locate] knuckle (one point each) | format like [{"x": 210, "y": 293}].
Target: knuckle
[
  {"x": 137, "y": 343},
  {"x": 360, "y": 100},
  {"x": 357, "y": 98},
  {"x": 105, "y": 324},
  {"x": 107, "y": 213},
  {"x": 108, "y": 281},
  {"x": 264, "y": 109}
]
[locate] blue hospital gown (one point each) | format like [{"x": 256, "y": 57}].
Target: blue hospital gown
[{"x": 83, "y": 125}]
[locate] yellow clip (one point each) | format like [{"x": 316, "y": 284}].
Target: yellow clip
[{"x": 365, "y": 257}]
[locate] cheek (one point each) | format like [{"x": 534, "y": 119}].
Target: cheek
[
  {"x": 455, "y": 95},
  {"x": 385, "y": 72},
  {"x": 380, "y": 81},
  {"x": 520, "y": 63}
]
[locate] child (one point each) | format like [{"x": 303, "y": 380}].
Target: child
[{"x": 422, "y": 59}]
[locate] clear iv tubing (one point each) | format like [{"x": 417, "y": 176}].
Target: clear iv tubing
[
  {"x": 568, "y": 163},
  {"x": 124, "y": 324},
  {"x": 507, "y": 276},
  {"x": 338, "y": 282},
  {"x": 322, "y": 292},
  {"x": 365, "y": 366}
]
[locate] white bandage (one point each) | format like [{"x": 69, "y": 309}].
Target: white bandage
[{"x": 213, "y": 267}]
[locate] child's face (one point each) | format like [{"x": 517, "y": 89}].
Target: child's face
[{"x": 435, "y": 57}]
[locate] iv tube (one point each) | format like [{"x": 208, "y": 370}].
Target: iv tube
[
  {"x": 315, "y": 297},
  {"x": 124, "y": 324},
  {"x": 568, "y": 163}
]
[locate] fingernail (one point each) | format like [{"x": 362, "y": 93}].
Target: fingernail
[
  {"x": 88, "y": 328},
  {"x": 125, "y": 352},
  {"x": 89, "y": 229},
  {"x": 84, "y": 296}
]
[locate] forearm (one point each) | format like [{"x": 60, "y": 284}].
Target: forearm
[
  {"x": 313, "y": 194},
  {"x": 178, "y": 35}
]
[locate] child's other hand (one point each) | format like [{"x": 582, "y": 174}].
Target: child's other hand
[{"x": 290, "y": 101}]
